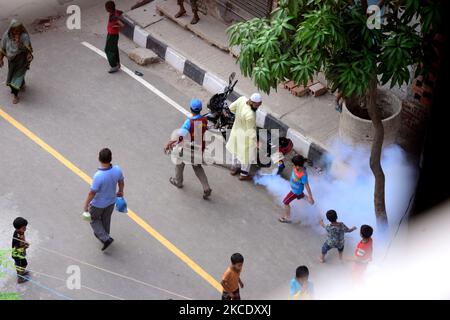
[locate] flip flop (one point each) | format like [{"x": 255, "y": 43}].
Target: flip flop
[
  {"x": 284, "y": 220},
  {"x": 172, "y": 181}
]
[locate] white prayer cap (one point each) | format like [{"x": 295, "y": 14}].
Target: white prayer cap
[{"x": 256, "y": 97}]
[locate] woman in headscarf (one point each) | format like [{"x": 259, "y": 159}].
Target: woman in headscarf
[{"x": 16, "y": 47}]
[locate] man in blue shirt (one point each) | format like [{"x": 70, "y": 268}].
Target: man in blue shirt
[
  {"x": 191, "y": 134},
  {"x": 102, "y": 196}
]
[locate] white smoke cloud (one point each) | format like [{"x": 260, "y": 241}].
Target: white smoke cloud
[
  {"x": 347, "y": 186},
  {"x": 416, "y": 267}
]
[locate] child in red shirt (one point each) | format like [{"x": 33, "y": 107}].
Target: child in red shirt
[
  {"x": 112, "y": 40},
  {"x": 363, "y": 253}
]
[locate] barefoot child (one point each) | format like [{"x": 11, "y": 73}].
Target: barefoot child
[
  {"x": 335, "y": 235},
  {"x": 363, "y": 253},
  {"x": 301, "y": 287},
  {"x": 231, "y": 280},
  {"x": 19, "y": 247},
  {"x": 299, "y": 181}
]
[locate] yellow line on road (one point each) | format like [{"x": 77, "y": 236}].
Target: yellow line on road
[{"x": 158, "y": 236}]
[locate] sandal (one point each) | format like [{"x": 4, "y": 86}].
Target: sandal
[
  {"x": 173, "y": 181},
  {"x": 180, "y": 13},
  {"x": 207, "y": 194},
  {"x": 284, "y": 220},
  {"x": 234, "y": 172}
]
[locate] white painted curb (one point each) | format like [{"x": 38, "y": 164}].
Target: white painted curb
[
  {"x": 175, "y": 59},
  {"x": 213, "y": 84},
  {"x": 260, "y": 118},
  {"x": 140, "y": 36},
  {"x": 301, "y": 143}
]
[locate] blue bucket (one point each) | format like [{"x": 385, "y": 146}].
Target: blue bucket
[{"x": 121, "y": 205}]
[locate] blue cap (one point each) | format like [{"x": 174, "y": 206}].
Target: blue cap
[{"x": 196, "y": 105}]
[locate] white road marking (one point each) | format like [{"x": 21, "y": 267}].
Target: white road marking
[
  {"x": 142, "y": 81},
  {"x": 113, "y": 273},
  {"x": 86, "y": 287}
]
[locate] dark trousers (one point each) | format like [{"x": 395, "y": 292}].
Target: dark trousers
[
  {"x": 14, "y": 91},
  {"x": 101, "y": 221},
  {"x": 21, "y": 264},
  {"x": 112, "y": 50},
  {"x": 193, "y": 4}
]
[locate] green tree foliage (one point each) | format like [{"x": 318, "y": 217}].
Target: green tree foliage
[{"x": 303, "y": 37}]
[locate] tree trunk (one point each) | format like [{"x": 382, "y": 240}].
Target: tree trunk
[{"x": 375, "y": 155}]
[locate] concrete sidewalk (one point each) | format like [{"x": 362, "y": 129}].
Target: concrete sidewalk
[{"x": 309, "y": 121}]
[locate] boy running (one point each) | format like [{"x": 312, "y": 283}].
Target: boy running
[{"x": 299, "y": 181}]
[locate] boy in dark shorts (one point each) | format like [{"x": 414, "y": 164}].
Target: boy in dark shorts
[
  {"x": 335, "y": 235},
  {"x": 19, "y": 247},
  {"x": 299, "y": 181},
  {"x": 231, "y": 280}
]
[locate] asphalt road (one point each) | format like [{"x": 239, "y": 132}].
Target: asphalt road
[
  {"x": 30, "y": 10},
  {"x": 77, "y": 108}
]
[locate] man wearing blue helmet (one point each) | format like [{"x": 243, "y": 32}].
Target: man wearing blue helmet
[{"x": 192, "y": 133}]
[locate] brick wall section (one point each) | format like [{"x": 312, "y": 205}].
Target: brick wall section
[
  {"x": 423, "y": 89},
  {"x": 416, "y": 107},
  {"x": 412, "y": 132}
]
